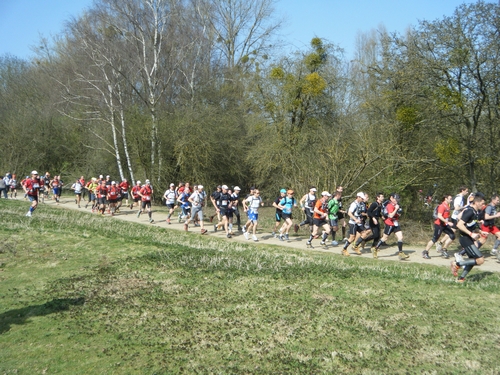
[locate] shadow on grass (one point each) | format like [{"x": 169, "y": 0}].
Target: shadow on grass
[
  {"x": 479, "y": 276},
  {"x": 21, "y": 316}
]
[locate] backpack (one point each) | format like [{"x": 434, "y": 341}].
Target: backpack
[
  {"x": 435, "y": 212},
  {"x": 383, "y": 211}
]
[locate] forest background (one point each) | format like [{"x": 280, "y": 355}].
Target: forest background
[{"x": 201, "y": 91}]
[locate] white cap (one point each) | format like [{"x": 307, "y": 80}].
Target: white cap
[
  {"x": 113, "y": 182},
  {"x": 361, "y": 195},
  {"x": 200, "y": 187},
  {"x": 108, "y": 176},
  {"x": 326, "y": 193},
  {"x": 313, "y": 189},
  {"x": 101, "y": 176},
  {"x": 172, "y": 184},
  {"x": 138, "y": 182},
  {"x": 225, "y": 187},
  {"x": 34, "y": 172},
  {"x": 237, "y": 188},
  {"x": 147, "y": 181}
]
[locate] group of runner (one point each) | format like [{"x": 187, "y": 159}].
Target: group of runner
[{"x": 360, "y": 222}]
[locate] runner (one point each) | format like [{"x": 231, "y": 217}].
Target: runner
[
  {"x": 236, "y": 201},
  {"x": 392, "y": 225},
  {"x": 214, "y": 198},
  {"x": 31, "y": 188},
  {"x": 374, "y": 213},
  {"x": 442, "y": 224},
  {"x": 320, "y": 219},
  {"x": 251, "y": 206},
  {"x": 490, "y": 214},
  {"x": 356, "y": 222},
  {"x": 278, "y": 215},
  {"x": 101, "y": 193},
  {"x": 197, "y": 200},
  {"x": 56, "y": 186},
  {"x": 223, "y": 208},
  {"x": 286, "y": 205},
  {"x": 13, "y": 187},
  {"x": 114, "y": 193},
  {"x": 77, "y": 187},
  {"x": 170, "y": 197},
  {"x": 307, "y": 204},
  {"x": 183, "y": 200},
  {"x": 342, "y": 214},
  {"x": 146, "y": 193},
  {"x": 333, "y": 212},
  {"x": 136, "y": 198},
  {"x": 46, "y": 186},
  {"x": 124, "y": 186},
  {"x": 92, "y": 187},
  {"x": 468, "y": 229}
]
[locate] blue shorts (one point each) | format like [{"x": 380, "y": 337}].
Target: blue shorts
[
  {"x": 254, "y": 216},
  {"x": 33, "y": 198},
  {"x": 56, "y": 191}
]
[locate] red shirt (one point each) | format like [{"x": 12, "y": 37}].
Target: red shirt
[
  {"x": 146, "y": 192},
  {"x": 32, "y": 186},
  {"x": 391, "y": 221},
  {"x": 135, "y": 191},
  {"x": 101, "y": 191},
  {"x": 443, "y": 209},
  {"x": 113, "y": 192},
  {"x": 124, "y": 185}
]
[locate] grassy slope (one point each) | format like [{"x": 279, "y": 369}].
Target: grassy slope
[{"x": 85, "y": 294}]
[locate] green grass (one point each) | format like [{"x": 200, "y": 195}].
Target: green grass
[{"x": 83, "y": 294}]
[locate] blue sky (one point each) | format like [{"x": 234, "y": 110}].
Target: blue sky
[{"x": 22, "y": 22}]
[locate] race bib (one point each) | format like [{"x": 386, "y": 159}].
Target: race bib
[
  {"x": 147, "y": 197},
  {"x": 396, "y": 223}
]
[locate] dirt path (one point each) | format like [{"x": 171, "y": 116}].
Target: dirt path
[{"x": 388, "y": 253}]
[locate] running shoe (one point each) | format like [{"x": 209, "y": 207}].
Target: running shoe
[
  {"x": 439, "y": 247},
  {"x": 296, "y": 228},
  {"x": 139, "y": 214},
  {"x": 255, "y": 238},
  {"x": 402, "y": 255},
  {"x": 244, "y": 229},
  {"x": 425, "y": 255},
  {"x": 374, "y": 252},
  {"x": 281, "y": 237},
  {"x": 246, "y": 235},
  {"x": 335, "y": 243},
  {"x": 458, "y": 257},
  {"x": 28, "y": 214},
  {"x": 286, "y": 237},
  {"x": 215, "y": 227},
  {"x": 345, "y": 253},
  {"x": 460, "y": 280},
  {"x": 356, "y": 250},
  {"x": 454, "y": 268},
  {"x": 445, "y": 254},
  {"x": 273, "y": 234},
  {"x": 204, "y": 231},
  {"x": 494, "y": 251},
  {"x": 322, "y": 243}
]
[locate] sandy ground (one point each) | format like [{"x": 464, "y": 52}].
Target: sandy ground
[{"x": 388, "y": 253}]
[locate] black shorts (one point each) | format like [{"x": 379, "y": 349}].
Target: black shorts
[
  {"x": 137, "y": 199},
  {"x": 389, "y": 229},
  {"x": 470, "y": 247},
  {"x": 286, "y": 216},
  {"x": 113, "y": 201},
  {"x": 146, "y": 204},
  {"x": 319, "y": 222},
  {"x": 170, "y": 205},
  {"x": 101, "y": 201},
  {"x": 278, "y": 216},
  {"x": 355, "y": 228}
]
